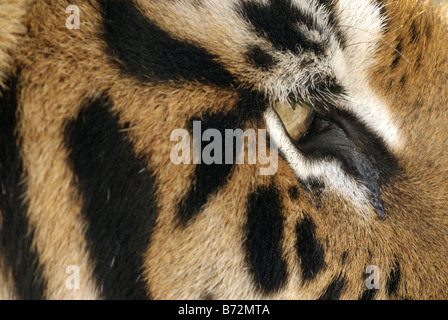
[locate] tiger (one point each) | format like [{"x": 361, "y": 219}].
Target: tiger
[{"x": 118, "y": 181}]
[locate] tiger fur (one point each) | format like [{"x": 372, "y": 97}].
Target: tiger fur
[{"x": 86, "y": 178}]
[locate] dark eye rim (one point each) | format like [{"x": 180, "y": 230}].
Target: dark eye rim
[{"x": 362, "y": 154}]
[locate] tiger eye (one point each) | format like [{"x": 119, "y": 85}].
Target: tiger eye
[{"x": 296, "y": 118}]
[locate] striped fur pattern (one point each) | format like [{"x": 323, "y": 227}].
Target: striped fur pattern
[{"x": 86, "y": 178}]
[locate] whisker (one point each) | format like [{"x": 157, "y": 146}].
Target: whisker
[
  {"x": 381, "y": 39},
  {"x": 358, "y": 43}
]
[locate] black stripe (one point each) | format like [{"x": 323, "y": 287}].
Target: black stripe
[
  {"x": 119, "y": 199},
  {"x": 369, "y": 294},
  {"x": 382, "y": 7},
  {"x": 278, "y": 21},
  {"x": 294, "y": 193},
  {"x": 344, "y": 257},
  {"x": 330, "y": 5},
  {"x": 334, "y": 290},
  {"x": 141, "y": 49},
  {"x": 383, "y": 11},
  {"x": 322, "y": 88},
  {"x": 260, "y": 58},
  {"x": 383, "y": 15},
  {"x": 403, "y": 81},
  {"x": 209, "y": 178},
  {"x": 394, "y": 278},
  {"x": 263, "y": 243},
  {"x": 418, "y": 61},
  {"x": 428, "y": 30},
  {"x": 16, "y": 235},
  {"x": 313, "y": 185},
  {"x": 415, "y": 35},
  {"x": 208, "y": 296},
  {"x": 309, "y": 250},
  {"x": 397, "y": 54}
]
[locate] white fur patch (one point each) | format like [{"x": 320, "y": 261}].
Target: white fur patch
[
  {"x": 329, "y": 172},
  {"x": 363, "y": 25},
  {"x": 220, "y": 27}
]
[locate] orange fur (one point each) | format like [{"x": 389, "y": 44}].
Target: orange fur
[{"x": 60, "y": 68}]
